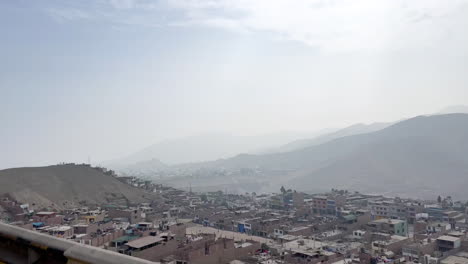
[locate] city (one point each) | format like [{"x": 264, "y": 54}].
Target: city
[
  {"x": 233, "y": 131},
  {"x": 339, "y": 226}
]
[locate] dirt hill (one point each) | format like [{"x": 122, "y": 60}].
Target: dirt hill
[{"x": 66, "y": 186}]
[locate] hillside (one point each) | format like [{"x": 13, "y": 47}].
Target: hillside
[
  {"x": 200, "y": 148},
  {"x": 422, "y": 156},
  {"x": 355, "y": 129},
  {"x": 144, "y": 168},
  {"x": 65, "y": 186}
]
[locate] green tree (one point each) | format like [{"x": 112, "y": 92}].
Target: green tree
[
  {"x": 283, "y": 190},
  {"x": 265, "y": 246}
]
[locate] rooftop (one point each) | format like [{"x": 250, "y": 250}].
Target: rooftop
[
  {"x": 45, "y": 213},
  {"x": 454, "y": 260},
  {"x": 448, "y": 238},
  {"x": 144, "y": 241},
  {"x": 321, "y": 197},
  {"x": 390, "y": 221}
]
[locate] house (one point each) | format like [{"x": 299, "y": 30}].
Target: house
[
  {"x": 58, "y": 231},
  {"x": 143, "y": 243},
  {"x": 389, "y": 226},
  {"x": 121, "y": 241},
  {"x": 389, "y": 244},
  {"x": 446, "y": 243},
  {"x": 133, "y": 216},
  {"x": 438, "y": 227},
  {"x": 358, "y": 234},
  {"x": 319, "y": 204},
  {"x": 93, "y": 217},
  {"x": 84, "y": 228},
  {"x": 199, "y": 250},
  {"x": 415, "y": 251}
]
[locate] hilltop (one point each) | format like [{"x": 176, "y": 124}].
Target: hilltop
[{"x": 66, "y": 186}]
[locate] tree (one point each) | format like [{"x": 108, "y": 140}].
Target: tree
[
  {"x": 439, "y": 199},
  {"x": 283, "y": 190}
]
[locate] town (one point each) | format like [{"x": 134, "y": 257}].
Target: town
[{"x": 340, "y": 226}]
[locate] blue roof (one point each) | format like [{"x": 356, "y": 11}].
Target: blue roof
[{"x": 38, "y": 224}]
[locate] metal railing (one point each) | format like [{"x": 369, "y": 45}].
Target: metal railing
[{"x": 18, "y": 245}]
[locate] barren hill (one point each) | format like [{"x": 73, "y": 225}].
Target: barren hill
[{"x": 65, "y": 186}]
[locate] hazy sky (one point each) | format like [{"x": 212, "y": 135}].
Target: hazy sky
[{"x": 104, "y": 78}]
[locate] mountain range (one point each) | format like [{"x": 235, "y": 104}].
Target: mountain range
[
  {"x": 198, "y": 149},
  {"x": 347, "y": 131},
  {"x": 421, "y": 156},
  {"x": 203, "y": 147}
]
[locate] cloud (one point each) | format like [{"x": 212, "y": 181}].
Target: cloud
[
  {"x": 330, "y": 25},
  {"x": 114, "y": 12},
  {"x": 333, "y": 25},
  {"x": 61, "y": 14}
]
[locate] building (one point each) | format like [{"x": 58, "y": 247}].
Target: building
[
  {"x": 328, "y": 205},
  {"x": 143, "y": 243},
  {"x": 393, "y": 209},
  {"x": 133, "y": 216},
  {"x": 389, "y": 226},
  {"x": 446, "y": 243},
  {"x": 319, "y": 204},
  {"x": 438, "y": 227},
  {"x": 416, "y": 251},
  {"x": 435, "y": 212},
  {"x": 389, "y": 245}
]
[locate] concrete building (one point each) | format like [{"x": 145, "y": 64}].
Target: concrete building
[
  {"x": 416, "y": 251},
  {"x": 389, "y": 226},
  {"x": 446, "y": 243},
  {"x": 389, "y": 245},
  {"x": 438, "y": 227},
  {"x": 319, "y": 204}
]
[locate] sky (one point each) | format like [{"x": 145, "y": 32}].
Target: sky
[{"x": 101, "y": 79}]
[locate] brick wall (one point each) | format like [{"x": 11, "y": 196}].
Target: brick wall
[{"x": 103, "y": 239}]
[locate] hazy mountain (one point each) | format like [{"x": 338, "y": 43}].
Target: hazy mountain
[
  {"x": 143, "y": 169},
  {"x": 455, "y": 109},
  {"x": 347, "y": 131},
  {"x": 204, "y": 148},
  {"x": 65, "y": 186},
  {"x": 422, "y": 156}
]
